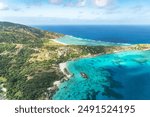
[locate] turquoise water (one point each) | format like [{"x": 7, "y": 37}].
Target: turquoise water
[
  {"x": 70, "y": 40},
  {"x": 123, "y": 76}
]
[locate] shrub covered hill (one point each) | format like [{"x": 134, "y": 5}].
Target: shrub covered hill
[
  {"x": 29, "y": 60},
  {"x": 21, "y": 34}
]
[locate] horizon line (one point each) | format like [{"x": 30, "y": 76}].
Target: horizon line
[{"x": 80, "y": 24}]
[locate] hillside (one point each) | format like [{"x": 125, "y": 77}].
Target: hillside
[
  {"x": 29, "y": 60},
  {"x": 21, "y": 34}
]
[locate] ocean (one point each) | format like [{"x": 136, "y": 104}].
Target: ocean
[
  {"x": 118, "y": 76},
  {"x": 112, "y": 33}
]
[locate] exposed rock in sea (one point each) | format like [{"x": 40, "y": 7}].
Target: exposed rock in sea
[{"x": 84, "y": 75}]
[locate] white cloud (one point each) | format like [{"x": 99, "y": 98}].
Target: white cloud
[
  {"x": 102, "y": 3},
  {"x": 55, "y": 1},
  {"x": 3, "y": 6},
  {"x": 82, "y": 3}
]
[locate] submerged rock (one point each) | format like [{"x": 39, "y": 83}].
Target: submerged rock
[{"x": 84, "y": 75}]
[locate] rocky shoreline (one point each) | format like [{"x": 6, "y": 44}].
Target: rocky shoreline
[{"x": 67, "y": 75}]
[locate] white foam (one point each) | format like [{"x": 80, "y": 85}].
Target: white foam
[{"x": 89, "y": 40}]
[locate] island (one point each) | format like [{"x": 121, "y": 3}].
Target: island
[{"x": 31, "y": 61}]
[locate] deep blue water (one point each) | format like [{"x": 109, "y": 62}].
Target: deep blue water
[{"x": 117, "y": 34}]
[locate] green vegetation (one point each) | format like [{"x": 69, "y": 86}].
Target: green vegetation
[
  {"x": 25, "y": 79},
  {"x": 2, "y": 80},
  {"x": 29, "y": 59}
]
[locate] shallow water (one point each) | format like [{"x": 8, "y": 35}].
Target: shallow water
[
  {"x": 70, "y": 40},
  {"x": 123, "y": 76}
]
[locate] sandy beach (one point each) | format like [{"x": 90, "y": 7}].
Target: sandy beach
[
  {"x": 59, "y": 42},
  {"x": 62, "y": 67},
  {"x": 57, "y": 83}
]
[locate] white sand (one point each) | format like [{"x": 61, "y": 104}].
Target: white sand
[
  {"x": 56, "y": 83},
  {"x": 59, "y": 42},
  {"x": 62, "y": 67}
]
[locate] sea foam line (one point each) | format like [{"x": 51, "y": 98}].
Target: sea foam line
[{"x": 89, "y": 40}]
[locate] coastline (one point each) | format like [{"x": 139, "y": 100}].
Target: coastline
[
  {"x": 59, "y": 42},
  {"x": 52, "y": 90},
  {"x": 64, "y": 70},
  {"x": 89, "y": 42},
  {"x": 67, "y": 75},
  {"x": 114, "y": 52},
  {"x": 44, "y": 71}
]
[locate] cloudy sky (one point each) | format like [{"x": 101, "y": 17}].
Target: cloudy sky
[{"x": 42, "y": 12}]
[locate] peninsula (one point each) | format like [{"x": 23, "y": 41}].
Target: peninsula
[{"x": 31, "y": 61}]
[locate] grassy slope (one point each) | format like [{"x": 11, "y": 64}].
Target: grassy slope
[{"x": 29, "y": 59}]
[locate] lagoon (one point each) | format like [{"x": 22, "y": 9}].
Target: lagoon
[
  {"x": 119, "y": 76},
  {"x": 70, "y": 40}
]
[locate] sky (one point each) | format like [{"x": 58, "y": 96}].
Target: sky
[{"x": 80, "y": 12}]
